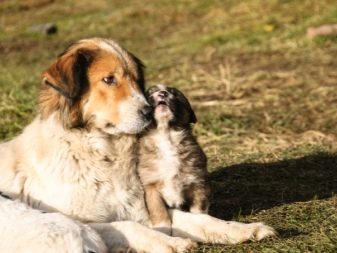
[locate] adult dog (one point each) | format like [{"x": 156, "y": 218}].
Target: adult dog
[{"x": 78, "y": 158}]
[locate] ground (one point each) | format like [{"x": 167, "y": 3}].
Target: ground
[{"x": 265, "y": 96}]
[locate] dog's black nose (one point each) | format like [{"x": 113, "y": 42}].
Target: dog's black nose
[
  {"x": 146, "y": 111},
  {"x": 163, "y": 94}
]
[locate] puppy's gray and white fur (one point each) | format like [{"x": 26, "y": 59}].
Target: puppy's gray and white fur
[{"x": 172, "y": 165}]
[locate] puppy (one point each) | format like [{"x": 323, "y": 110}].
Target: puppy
[{"x": 172, "y": 165}]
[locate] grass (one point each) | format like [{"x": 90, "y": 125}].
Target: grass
[{"x": 265, "y": 96}]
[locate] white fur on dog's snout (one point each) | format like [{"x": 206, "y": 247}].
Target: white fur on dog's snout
[{"x": 132, "y": 121}]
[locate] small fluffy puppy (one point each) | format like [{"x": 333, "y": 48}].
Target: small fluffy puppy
[{"x": 172, "y": 165}]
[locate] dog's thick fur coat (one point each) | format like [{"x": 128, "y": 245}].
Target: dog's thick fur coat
[{"x": 78, "y": 158}]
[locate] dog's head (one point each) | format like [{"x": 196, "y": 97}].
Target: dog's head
[
  {"x": 171, "y": 107},
  {"x": 96, "y": 83}
]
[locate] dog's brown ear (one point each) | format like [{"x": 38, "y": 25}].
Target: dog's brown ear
[
  {"x": 140, "y": 67},
  {"x": 67, "y": 76},
  {"x": 63, "y": 84}
]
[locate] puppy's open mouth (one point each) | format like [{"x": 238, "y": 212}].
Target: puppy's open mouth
[
  {"x": 162, "y": 106},
  {"x": 161, "y": 103}
]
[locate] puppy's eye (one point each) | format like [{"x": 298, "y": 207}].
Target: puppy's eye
[
  {"x": 110, "y": 80},
  {"x": 150, "y": 91},
  {"x": 172, "y": 91}
]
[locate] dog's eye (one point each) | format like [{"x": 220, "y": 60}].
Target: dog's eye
[{"x": 110, "y": 80}]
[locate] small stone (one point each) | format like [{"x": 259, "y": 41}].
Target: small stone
[
  {"x": 323, "y": 30},
  {"x": 48, "y": 28}
]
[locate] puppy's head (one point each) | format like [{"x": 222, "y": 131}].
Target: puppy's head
[
  {"x": 96, "y": 83},
  {"x": 171, "y": 107}
]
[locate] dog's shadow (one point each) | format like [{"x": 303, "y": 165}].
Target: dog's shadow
[{"x": 250, "y": 187}]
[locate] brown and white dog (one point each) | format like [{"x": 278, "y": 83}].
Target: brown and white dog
[
  {"x": 78, "y": 158},
  {"x": 172, "y": 166}
]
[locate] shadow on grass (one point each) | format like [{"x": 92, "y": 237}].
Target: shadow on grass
[{"x": 250, "y": 187}]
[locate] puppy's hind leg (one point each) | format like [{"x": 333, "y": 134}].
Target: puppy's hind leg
[{"x": 199, "y": 198}]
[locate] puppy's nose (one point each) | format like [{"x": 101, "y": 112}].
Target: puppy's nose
[
  {"x": 163, "y": 94},
  {"x": 146, "y": 111}
]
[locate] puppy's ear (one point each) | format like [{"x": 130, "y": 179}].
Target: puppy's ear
[
  {"x": 189, "y": 115},
  {"x": 63, "y": 84},
  {"x": 192, "y": 116}
]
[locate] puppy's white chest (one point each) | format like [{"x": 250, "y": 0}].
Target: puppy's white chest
[
  {"x": 168, "y": 170},
  {"x": 168, "y": 160}
]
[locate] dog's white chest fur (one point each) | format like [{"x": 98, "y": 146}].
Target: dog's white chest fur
[
  {"x": 81, "y": 175},
  {"x": 168, "y": 165}
]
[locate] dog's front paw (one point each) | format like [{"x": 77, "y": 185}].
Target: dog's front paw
[
  {"x": 207, "y": 229},
  {"x": 261, "y": 231},
  {"x": 171, "y": 245},
  {"x": 182, "y": 245},
  {"x": 236, "y": 232}
]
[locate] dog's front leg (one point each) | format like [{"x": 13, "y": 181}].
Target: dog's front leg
[
  {"x": 24, "y": 229},
  {"x": 123, "y": 236},
  {"x": 207, "y": 229}
]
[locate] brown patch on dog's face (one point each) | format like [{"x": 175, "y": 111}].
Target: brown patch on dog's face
[
  {"x": 96, "y": 83},
  {"x": 107, "y": 96},
  {"x": 171, "y": 107}
]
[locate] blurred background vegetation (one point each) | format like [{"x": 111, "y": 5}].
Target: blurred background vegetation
[{"x": 264, "y": 93}]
